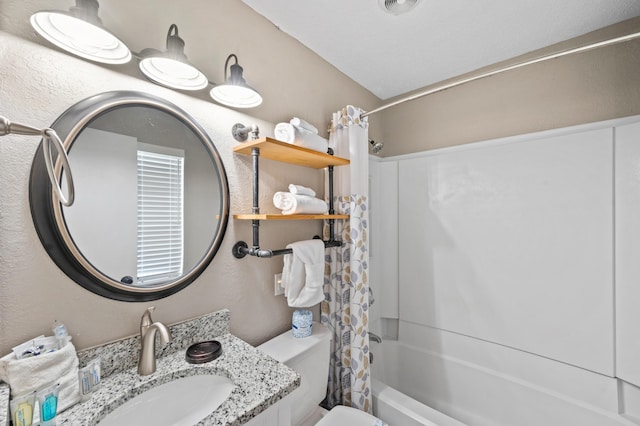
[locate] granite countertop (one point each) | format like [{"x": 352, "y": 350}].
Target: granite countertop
[{"x": 260, "y": 381}]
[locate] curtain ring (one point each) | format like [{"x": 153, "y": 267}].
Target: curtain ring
[{"x": 49, "y": 136}]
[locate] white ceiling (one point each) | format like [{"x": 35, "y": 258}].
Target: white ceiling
[{"x": 391, "y": 55}]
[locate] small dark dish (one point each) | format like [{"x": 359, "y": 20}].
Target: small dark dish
[{"x": 202, "y": 352}]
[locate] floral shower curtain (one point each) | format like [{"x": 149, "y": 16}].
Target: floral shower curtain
[{"x": 346, "y": 307}]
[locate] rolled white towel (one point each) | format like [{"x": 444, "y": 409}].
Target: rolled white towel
[
  {"x": 301, "y": 190},
  {"x": 287, "y": 132},
  {"x": 299, "y": 122},
  {"x": 299, "y": 204}
]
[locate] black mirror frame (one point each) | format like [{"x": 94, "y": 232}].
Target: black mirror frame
[{"x": 46, "y": 212}]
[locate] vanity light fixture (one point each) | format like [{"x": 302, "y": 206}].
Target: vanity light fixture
[
  {"x": 171, "y": 68},
  {"x": 81, "y": 33},
  {"x": 235, "y": 92}
]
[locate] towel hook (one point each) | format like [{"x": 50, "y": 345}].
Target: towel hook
[{"x": 49, "y": 136}]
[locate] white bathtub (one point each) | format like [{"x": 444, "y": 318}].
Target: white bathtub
[
  {"x": 391, "y": 405},
  {"x": 467, "y": 383},
  {"x": 397, "y": 409}
]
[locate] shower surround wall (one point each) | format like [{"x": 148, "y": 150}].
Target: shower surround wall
[{"x": 511, "y": 306}]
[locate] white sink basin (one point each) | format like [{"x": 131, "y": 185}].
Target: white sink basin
[{"x": 184, "y": 401}]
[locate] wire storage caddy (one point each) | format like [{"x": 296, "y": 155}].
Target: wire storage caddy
[{"x": 287, "y": 153}]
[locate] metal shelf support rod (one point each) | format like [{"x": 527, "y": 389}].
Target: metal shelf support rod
[{"x": 255, "y": 209}]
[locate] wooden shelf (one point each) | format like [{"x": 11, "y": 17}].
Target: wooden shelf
[
  {"x": 289, "y": 216},
  {"x": 289, "y": 153},
  {"x": 292, "y": 154}
]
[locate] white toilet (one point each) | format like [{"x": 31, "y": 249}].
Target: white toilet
[{"x": 310, "y": 357}]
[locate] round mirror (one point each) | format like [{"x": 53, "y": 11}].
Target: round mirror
[{"x": 152, "y": 199}]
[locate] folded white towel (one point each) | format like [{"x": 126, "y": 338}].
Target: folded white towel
[
  {"x": 34, "y": 373},
  {"x": 301, "y": 190},
  {"x": 287, "y": 132},
  {"x": 303, "y": 273},
  {"x": 299, "y": 204},
  {"x": 299, "y": 122}
]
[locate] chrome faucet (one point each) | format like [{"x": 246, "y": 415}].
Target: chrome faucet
[
  {"x": 148, "y": 329},
  {"x": 374, "y": 337}
]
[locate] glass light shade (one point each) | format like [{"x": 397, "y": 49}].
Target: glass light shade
[
  {"x": 236, "y": 96},
  {"x": 80, "y": 37},
  {"x": 235, "y": 92},
  {"x": 173, "y": 73}
]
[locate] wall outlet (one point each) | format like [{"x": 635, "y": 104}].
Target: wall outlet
[{"x": 277, "y": 288}]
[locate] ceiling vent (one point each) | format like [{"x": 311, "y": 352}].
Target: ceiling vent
[{"x": 398, "y": 7}]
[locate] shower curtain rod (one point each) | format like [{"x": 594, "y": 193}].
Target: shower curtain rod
[{"x": 501, "y": 70}]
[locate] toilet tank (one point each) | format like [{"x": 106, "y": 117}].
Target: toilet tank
[{"x": 309, "y": 356}]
